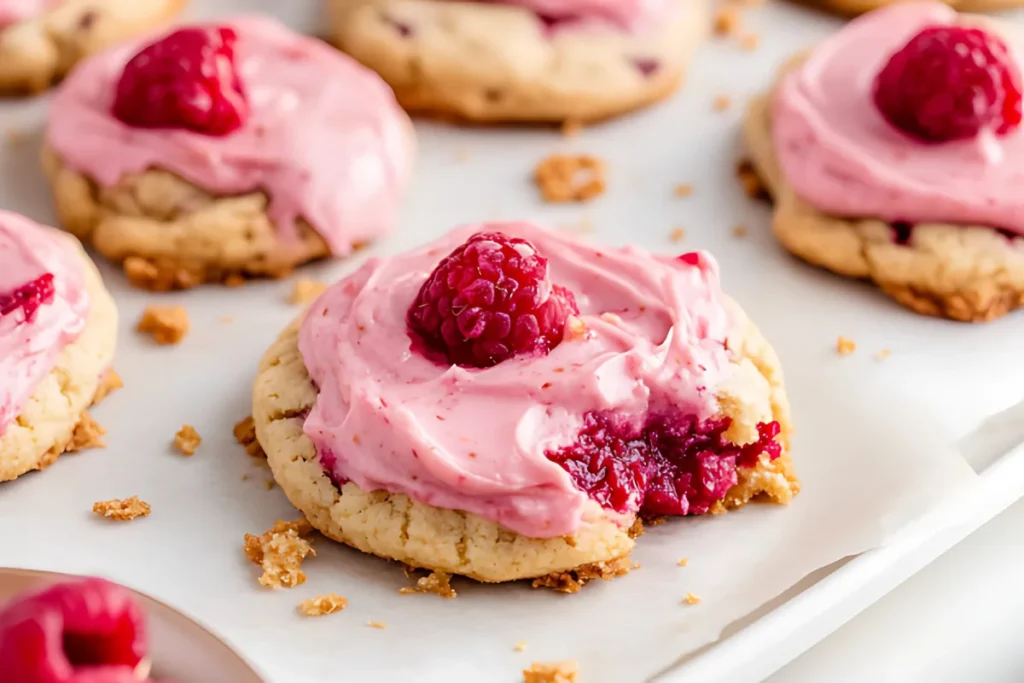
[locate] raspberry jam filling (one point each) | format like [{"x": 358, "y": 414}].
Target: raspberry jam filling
[
  {"x": 664, "y": 465},
  {"x": 28, "y": 298},
  {"x": 187, "y": 80},
  {"x": 77, "y": 631}
]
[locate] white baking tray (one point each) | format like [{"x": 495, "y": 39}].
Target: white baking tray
[{"x": 959, "y": 375}]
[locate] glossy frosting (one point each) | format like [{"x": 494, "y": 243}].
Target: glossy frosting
[
  {"x": 476, "y": 440},
  {"x": 29, "y": 349},
  {"x": 841, "y": 156},
  {"x": 625, "y": 13},
  {"x": 325, "y": 137}
]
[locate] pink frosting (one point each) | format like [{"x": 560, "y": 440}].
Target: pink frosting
[
  {"x": 842, "y": 157},
  {"x": 476, "y": 440},
  {"x": 13, "y": 11},
  {"x": 325, "y": 137},
  {"x": 626, "y": 13},
  {"x": 29, "y": 349}
]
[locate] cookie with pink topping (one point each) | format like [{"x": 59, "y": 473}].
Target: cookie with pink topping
[
  {"x": 506, "y": 403},
  {"x": 894, "y": 153},
  {"x": 215, "y": 153},
  {"x": 58, "y": 327},
  {"x": 41, "y": 40},
  {"x": 523, "y": 60}
]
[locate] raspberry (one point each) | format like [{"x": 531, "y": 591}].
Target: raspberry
[
  {"x": 85, "y": 630},
  {"x": 28, "y": 297},
  {"x": 488, "y": 301},
  {"x": 185, "y": 80},
  {"x": 666, "y": 465},
  {"x": 950, "y": 83}
]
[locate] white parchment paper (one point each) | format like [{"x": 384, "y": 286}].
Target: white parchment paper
[{"x": 875, "y": 443}]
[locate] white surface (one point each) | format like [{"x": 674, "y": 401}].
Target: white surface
[{"x": 932, "y": 388}]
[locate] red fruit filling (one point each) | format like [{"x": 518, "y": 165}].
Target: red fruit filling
[
  {"x": 489, "y": 300},
  {"x": 666, "y": 465},
  {"x": 950, "y": 83},
  {"x": 72, "y": 632},
  {"x": 29, "y": 297},
  {"x": 185, "y": 80}
]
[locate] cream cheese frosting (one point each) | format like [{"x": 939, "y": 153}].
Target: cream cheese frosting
[
  {"x": 324, "y": 136},
  {"x": 475, "y": 439},
  {"x": 29, "y": 347},
  {"x": 624, "y": 13},
  {"x": 841, "y": 156}
]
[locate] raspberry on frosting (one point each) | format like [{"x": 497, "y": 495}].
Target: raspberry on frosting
[
  {"x": 950, "y": 83},
  {"x": 186, "y": 79},
  {"x": 28, "y": 297},
  {"x": 490, "y": 300}
]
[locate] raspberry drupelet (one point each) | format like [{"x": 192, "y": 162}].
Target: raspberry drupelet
[{"x": 28, "y": 297}]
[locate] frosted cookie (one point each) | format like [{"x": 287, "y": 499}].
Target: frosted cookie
[
  {"x": 523, "y": 60},
  {"x": 894, "y": 153},
  {"x": 853, "y": 7},
  {"x": 41, "y": 40},
  {"x": 506, "y": 403},
  {"x": 222, "y": 152},
  {"x": 58, "y": 327}
]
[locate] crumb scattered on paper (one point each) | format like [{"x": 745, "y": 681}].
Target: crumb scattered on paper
[
  {"x": 520, "y": 646},
  {"x": 683, "y": 562},
  {"x": 721, "y": 102},
  {"x": 245, "y": 435},
  {"x": 883, "y": 354},
  {"x": 269, "y": 484},
  {"x": 683, "y": 190},
  {"x": 122, "y": 510},
  {"x": 377, "y": 624},
  {"x": 844, "y": 346},
  {"x": 727, "y": 20},
  {"x": 322, "y": 605},
  {"x": 187, "y": 440},
  {"x": 691, "y": 599},
  {"x": 570, "y": 178},
  {"x": 552, "y": 672},
  {"x": 305, "y": 290},
  {"x": 438, "y": 583},
  {"x": 750, "y": 41},
  {"x": 88, "y": 433},
  {"x": 677, "y": 234},
  {"x": 166, "y": 324},
  {"x": 739, "y": 231},
  {"x": 226, "y": 319},
  {"x": 280, "y": 553}
]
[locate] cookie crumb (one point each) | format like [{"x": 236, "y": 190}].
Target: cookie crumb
[
  {"x": 575, "y": 328},
  {"x": 574, "y": 579},
  {"x": 571, "y": 128},
  {"x": 636, "y": 529},
  {"x": 280, "y": 553},
  {"x": 552, "y": 672},
  {"x": 270, "y": 484},
  {"x": 751, "y": 181},
  {"x": 438, "y": 583},
  {"x": 721, "y": 102},
  {"x": 727, "y": 20},
  {"x": 683, "y": 562},
  {"x": 225, "y": 319},
  {"x": 122, "y": 510},
  {"x": 750, "y": 41},
  {"x": 570, "y": 178},
  {"x": 683, "y": 190},
  {"x": 677, "y": 235},
  {"x": 882, "y": 355},
  {"x": 234, "y": 280},
  {"x": 377, "y": 624},
  {"x": 88, "y": 433},
  {"x": 109, "y": 383},
  {"x": 739, "y": 231},
  {"x": 520, "y": 646},
  {"x": 305, "y": 291},
  {"x": 187, "y": 440},
  {"x": 245, "y": 435},
  {"x": 322, "y": 605},
  {"x": 691, "y": 599},
  {"x": 167, "y": 324},
  {"x": 844, "y": 346}
]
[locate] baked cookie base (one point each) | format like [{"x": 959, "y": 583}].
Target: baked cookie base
[
  {"x": 851, "y": 8},
  {"x": 489, "y": 63},
  {"x": 393, "y": 526},
  {"x": 50, "y": 418},
  {"x": 965, "y": 273},
  {"x": 36, "y": 52}
]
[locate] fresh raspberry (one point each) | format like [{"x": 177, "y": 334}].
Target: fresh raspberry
[
  {"x": 185, "y": 80},
  {"x": 666, "y": 465},
  {"x": 80, "y": 631},
  {"x": 490, "y": 300},
  {"x": 28, "y": 297},
  {"x": 950, "y": 83}
]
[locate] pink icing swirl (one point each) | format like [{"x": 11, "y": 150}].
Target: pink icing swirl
[
  {"x": 29, "y": 348},
  {"x": 842, "y": 157},
  {"x": 325, "y": 137},
  {"x": 475, "y": 440}
]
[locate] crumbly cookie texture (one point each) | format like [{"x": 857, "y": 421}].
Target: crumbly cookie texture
[
  {"x": 855, "y": 7},
  {"x": 394, "y": 526},
  {"x": 966, "y": 273},
  {"x": 486, "y": 62},
  {"x": 122, "y": 510},
  {"x": 36, "y": 52},
  {"x": 53, "y": 420},
  {"x": 552, "y": 672}
]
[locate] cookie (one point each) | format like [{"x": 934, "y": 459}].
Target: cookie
[
  {"x": 39, "y": 45},
  {"x": 432, "y": 478},
  {"x": 855, "y": 7},
  {"x": 491, "y": 62},
  {"x": 961, "y": 268},
  {"x": 313, "y": 168},
  {"x": 58, "y": 327}
]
